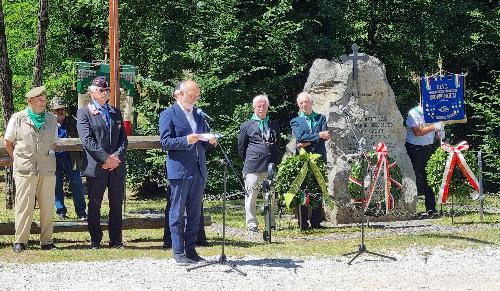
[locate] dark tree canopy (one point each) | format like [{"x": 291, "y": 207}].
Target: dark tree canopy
[{"x": 238, "y": 48}]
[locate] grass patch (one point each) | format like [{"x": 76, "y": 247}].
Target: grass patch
[{"x": 147, "y": 243}]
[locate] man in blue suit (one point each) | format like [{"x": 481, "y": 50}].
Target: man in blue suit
[
  {"x": 310, "y": 132},
  {"x": 180, "y": 129},
  {"x": 100, "y": 127}
]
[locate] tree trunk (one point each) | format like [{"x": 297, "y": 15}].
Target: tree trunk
[
  {"x": 372, "y": 27},
  {"x": 43, "y": 24},
  {"x": 7, "y": 104}
]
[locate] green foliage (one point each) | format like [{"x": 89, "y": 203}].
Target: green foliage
[
  {"x": 288, "y": 170},
  {"x": 237, "y": 49},
  {"x": 459, "y": 185},
  {"x": 359, "y": 168},
  {"x": 486, "y": 105}
]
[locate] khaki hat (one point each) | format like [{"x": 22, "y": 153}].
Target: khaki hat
[
  {"x": 37, "y": 91},
  {"x": 57, "y": 103}
]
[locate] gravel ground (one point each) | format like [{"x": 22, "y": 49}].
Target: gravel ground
[
  {"x": 437, "y": 269},
  {"x": 376, "y": 229}
]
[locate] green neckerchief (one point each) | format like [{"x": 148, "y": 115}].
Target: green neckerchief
[
  {"x": 38, "y": 119},
  {"x": 310, "y": 119},
  {"x": 263, "y": 123}
]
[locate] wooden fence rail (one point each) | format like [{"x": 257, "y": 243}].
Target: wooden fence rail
[
  {"x": 74, "y": 145},
  {"x": 81, "y": 226}
]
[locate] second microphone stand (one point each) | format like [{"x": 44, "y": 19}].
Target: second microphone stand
[
  {"x": 222, "y": 260},
  {"x": 361, "y": 153}
]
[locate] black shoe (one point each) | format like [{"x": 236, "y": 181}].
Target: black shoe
[
  {"x": 434, "y": 214},
  {"x": 95, "y": 245},
  {"x": 304, "y": 227},
  {"x": 116, "y": 245},
  {"x": 316, "y": 226},
  {"x": 182, "y": 260},
  {"x": 82, "y": 216},
  {"x": 193, "y": 255},
  {"x": 48, "y": 247},
  {"x": 18, "y": 247},
  {"x": 202, "y": 243},
  {"x": 167, "y": 245}
]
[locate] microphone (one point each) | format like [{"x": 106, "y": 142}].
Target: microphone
[{"x": 202, "y": 113}]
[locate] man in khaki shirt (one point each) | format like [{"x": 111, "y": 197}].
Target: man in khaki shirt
[{"x": 29, "y": 139}]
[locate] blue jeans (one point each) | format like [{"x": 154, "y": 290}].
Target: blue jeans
[{"x": 64, "y": 168}]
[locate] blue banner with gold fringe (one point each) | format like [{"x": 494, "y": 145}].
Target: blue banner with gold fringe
[{"x": 443, "y": 98}]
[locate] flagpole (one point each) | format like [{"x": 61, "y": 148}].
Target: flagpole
[{"x": 114, "y": 54}]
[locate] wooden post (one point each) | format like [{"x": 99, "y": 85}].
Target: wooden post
[{"x": 114, "y": 54}]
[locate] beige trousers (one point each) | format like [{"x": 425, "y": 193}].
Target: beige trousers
[
  {"x": 27, "y": 188},
  {"x": 253, "y": 186}
]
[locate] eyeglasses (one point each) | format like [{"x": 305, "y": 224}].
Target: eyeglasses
[
  {"x": 191, "y": 96},
  {"x": 39, "y": 97},
  {"x": 104, "y": 90}
]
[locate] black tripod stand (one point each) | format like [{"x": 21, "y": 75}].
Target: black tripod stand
[
  {"x": 361, "y": 155},
  {"x": 267, "y": 193},
  {"x": 222, "y": 260}
]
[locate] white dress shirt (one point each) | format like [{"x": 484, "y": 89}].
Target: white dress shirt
[{"x": 189, "y": 116}]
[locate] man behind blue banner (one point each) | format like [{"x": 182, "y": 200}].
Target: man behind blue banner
[
  {"x": 420, "y": 147},
  {"x": 180, "y": 128}
]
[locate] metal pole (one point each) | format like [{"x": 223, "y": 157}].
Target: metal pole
[
  {"x": 480, "y": 178},
  {"x": 114, "y": 54}
]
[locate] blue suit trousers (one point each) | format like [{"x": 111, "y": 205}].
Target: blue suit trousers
[{"x": 186, "y": 196}]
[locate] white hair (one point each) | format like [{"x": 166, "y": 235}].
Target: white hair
[
  {"x": 304, "y": 95},
  {"x": 182, "y": 86},
  {"x": 261, "y": 97}
]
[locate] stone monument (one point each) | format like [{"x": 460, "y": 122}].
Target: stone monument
[{"x": 358, "y": 90}]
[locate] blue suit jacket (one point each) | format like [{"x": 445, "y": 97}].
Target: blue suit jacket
[
  {"x": 182, "y": 158},
  {"x": 99, "y": 141},
  {"x": 303, "y": 133}
]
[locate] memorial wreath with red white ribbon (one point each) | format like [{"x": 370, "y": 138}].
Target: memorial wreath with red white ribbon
[
  {"x": 455, "y": 157},
  {"x": 382, "y": 165}
]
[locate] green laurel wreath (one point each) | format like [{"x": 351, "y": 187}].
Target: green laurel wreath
[
  {"x": 301, "y": 174},
  {"x": 458, "y": 185}
]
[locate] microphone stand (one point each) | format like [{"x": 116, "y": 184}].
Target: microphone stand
[
  {"x": 222, "y": 260},
  {"x": 361, "y": 153},
  {"x": 267, "y": 193}
]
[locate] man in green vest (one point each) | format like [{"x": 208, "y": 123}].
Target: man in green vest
[{"x": 29, "y": 139}]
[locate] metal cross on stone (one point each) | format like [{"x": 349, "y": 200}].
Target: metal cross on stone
[{"x": 355, "y": 56}]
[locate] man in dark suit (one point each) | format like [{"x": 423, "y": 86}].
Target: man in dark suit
[
  {"x": 258, "y": 142},
  {"x": 180, "y": 129},
  {"x": 100, "y": 127},
  {"x": 310, "y": 132}
]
